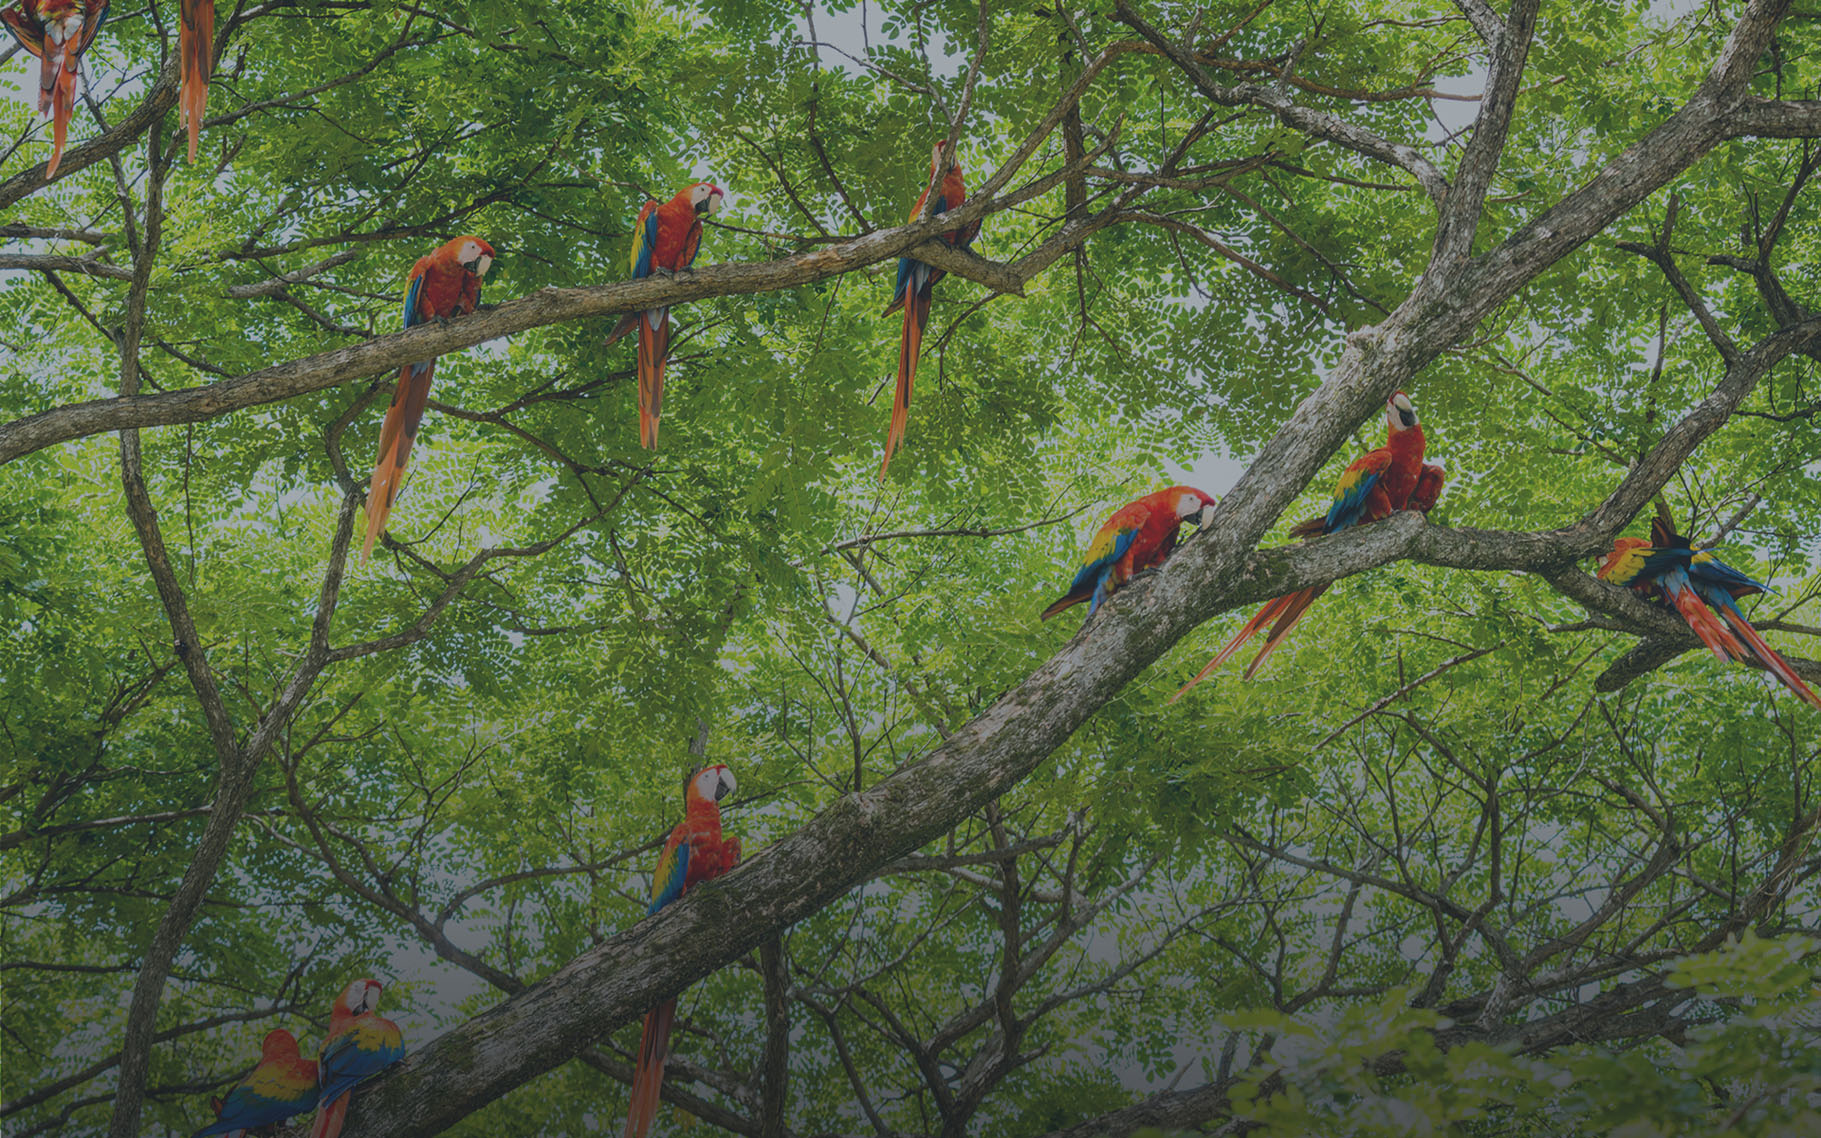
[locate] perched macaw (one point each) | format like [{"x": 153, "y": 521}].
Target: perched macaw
[
  {"x": 695, "y": 852},
  {"x": 665, "y": 240},
  {"x": 359, "y": 1044},
  {"x": 444, "y": 284},
  {"x": 1376, "y": 485},
  {"x": 1699, "y": 585},
  {"x": 1428, "y": 492},
  {"x": 283, "y": 1085},
  {"x": 916, "y": 281},
  {"x": 195, "y": 61},
  {"x": 57, "y": 32},
  {"x": 1139, "y": 536}
]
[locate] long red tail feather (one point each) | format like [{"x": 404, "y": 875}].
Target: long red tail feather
[
  {"x": 910, "y": 343},
  {"x": 1766, "y": 655},
  {"x": 1063, "y": 605},
  {"x": 1706, "y": 626},
  {"x": 395, "y": 438},
  {"x": 329, "y": 1118},
  {"x": 62, "y": 96},
  {"x": 196, "y": 59},
  {"x": 648, "y": 1074},
  {"x": 1259, "y": 619},
  {"x": 654, "y": 345},
  {"x": 1293, "y": 613}
]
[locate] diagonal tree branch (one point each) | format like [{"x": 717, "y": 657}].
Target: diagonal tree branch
[
  {"x": 723, "y": 920},
  {"x": 1460, "y": 214}
]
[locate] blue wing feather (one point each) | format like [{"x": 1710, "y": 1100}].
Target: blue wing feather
[
  {"x": 1349, "y": 504},
  {"x": 1101, "y": 568},
  {"x": 354, "y": 1057},
  {"x": 648, "y": 244},
  {"x": 1100, "y": 564},
  {"x": 667, "y": 882},
  {"x": 1706, "y": 569},
  {"x": 412, "y": 293}
]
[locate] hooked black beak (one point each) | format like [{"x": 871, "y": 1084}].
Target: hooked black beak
[{"x": 722, "y": 788}]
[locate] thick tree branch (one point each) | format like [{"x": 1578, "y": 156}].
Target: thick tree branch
[
  {"x": 722, "y": 920},
  {"x": 1460, "y": 214}
]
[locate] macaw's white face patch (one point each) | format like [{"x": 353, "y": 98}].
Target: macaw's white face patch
[
  {"x": 706, "y": 197},
  {"x": 714, "y": 783},
  {"x": 1399, "y": 413}
]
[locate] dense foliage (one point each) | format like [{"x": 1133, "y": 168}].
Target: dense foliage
[{"x": 1428, "y": 870}]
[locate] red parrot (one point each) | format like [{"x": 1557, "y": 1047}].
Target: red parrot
[
  {"x": 359, "y": 1044},
  {"x": 665, "y": 240},
  {"x": 445, "y": 284},
  {"x": 57, "y": 32},
  {"x": 695, "y": 852},
  {"x": 1698, "y": 585},
  {"x": 281, "y": 1086},
  {"x": 1139, "y": 536},
  {"x": 195, "y": 61},
  {"x": 916, "y": 281},
  {"x": 1376, "y": 485}
]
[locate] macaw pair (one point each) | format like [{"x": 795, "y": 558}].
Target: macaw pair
[
  {"x": 59, "y": 31},
  {"x": 916, "y": 284},
  {"x": 443, "y": 285},
  {"x": 1372, "y": 488},
  {"x": 665, "y": 240},
  {"x": 667, "y": 237},
  {"x": 695, "y": 852},
  {"x": 1140, "y": 535},
  {"x": 1698, "y": 585},
  {"x": 358, "y": 1045}
]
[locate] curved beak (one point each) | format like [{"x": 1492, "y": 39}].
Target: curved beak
[{"x": 724, "y": 785}]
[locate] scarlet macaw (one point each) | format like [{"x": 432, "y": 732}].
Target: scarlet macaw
[
  {"x": 1139, "y": 536},
  {"x": 57, "y": 32},
  {"x": 359, "y": 1044},
  {"x": 444, "y": 284},
  {"x": 1667, "y": 568},
  {"x": 916, "y": 281},
  {"x": 1376, "y": 485},
  {"x": 695, "y": 852},
  {"x": 195, "y": 61},
  {"x": 282, "y": 1085},
  {"x": 665, "y": 240}
]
